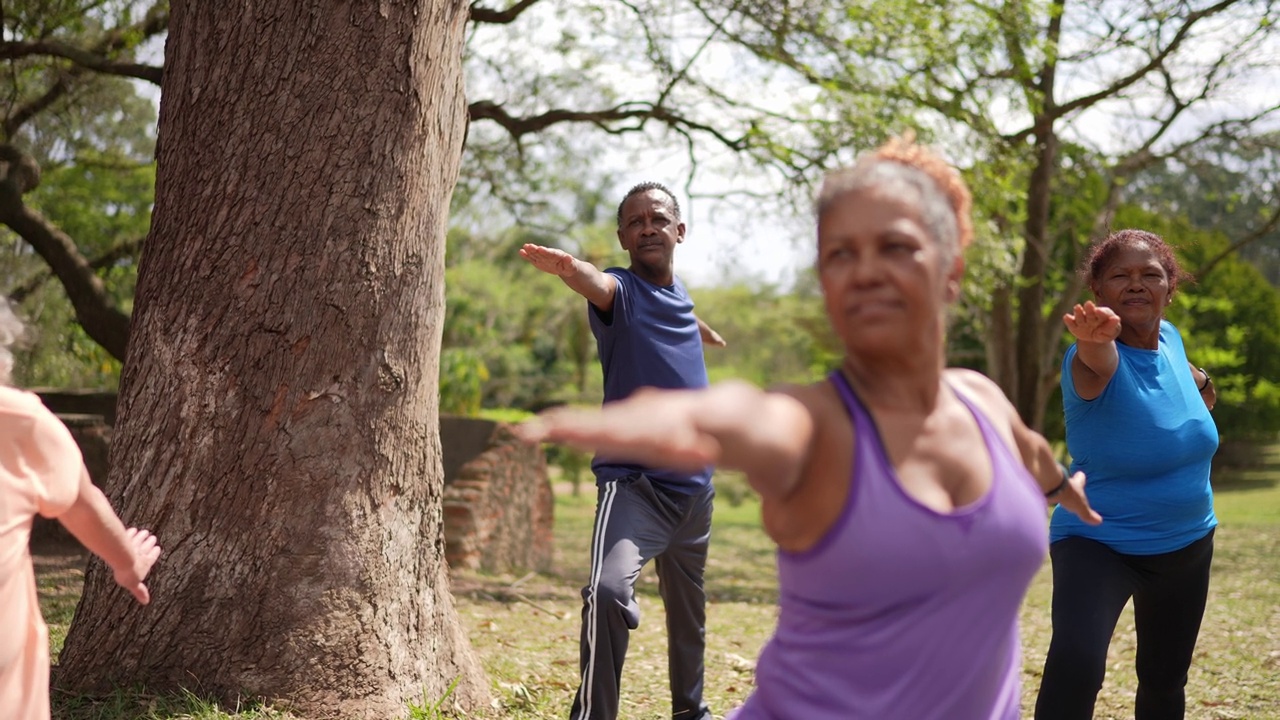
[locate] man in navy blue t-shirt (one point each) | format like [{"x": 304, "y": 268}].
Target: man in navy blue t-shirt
[{"x": 647, "y": 336}]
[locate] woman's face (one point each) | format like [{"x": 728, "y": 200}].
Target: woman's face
[
  {"x": 1135, "y": 285},
  {"x": 883, "y": 276}
]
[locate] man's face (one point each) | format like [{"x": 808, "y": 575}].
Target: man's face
[{"x": 649, "y": 231}]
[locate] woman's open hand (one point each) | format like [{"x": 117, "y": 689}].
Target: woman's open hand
[{"x": 1092, "y": 323}]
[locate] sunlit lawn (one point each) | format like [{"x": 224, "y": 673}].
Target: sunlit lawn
[{"x": 525, "y": 628}]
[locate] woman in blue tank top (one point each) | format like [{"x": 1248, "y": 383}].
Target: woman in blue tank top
[
  {"x": 907, "y": 499},
  {"x": 1138, "y": 422}
]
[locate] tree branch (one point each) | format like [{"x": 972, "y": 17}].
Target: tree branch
[
  {"x": 114, "y": 254},
  {"x": 95, "y": 310},
  {"x": 606, "y": 119},
  {"x": 1076, "y": 281},
  {"x": 499, "y": 17},
  {"x": 29, "y": 110},
  {"x": 87, "y": 59},
  {"x": 98, "y": 57},
  {"x": 1265, "y": 229},
  {"x": 1121, "y": 84}
]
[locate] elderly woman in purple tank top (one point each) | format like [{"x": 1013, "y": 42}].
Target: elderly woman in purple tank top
[{"x": 907, "y": 499}]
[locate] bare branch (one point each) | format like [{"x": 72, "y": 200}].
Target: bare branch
[
  {"x": 29, "y": 110},
  {"x": 499, "y": 17},
  {"x": 1226, "y": 129},
  {"x": 1271, "y": 224},
  {"x": 98, "y": 57},
  {"x": 116, "y": 253},
  {"x": 87, "y": 59},
  {"x": 607, "y": 119},
  {"x": 95, "y": 310},
  {"x": 1118, "y": 86}
]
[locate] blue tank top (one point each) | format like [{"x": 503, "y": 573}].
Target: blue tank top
[
  {"x": 1146, "y": 445},
  {"x": 901, "y": 611},
  {"x": 649, "y": 338}
]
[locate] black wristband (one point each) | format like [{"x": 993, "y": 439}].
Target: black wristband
[
  {"x": 1207, "y": 380},
  {"x": 1062, "y": 485}
]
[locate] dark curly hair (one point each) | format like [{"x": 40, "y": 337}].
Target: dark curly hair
[
  {"x": 1104, "y": 251},
  {"x": 646, "y": 187}
]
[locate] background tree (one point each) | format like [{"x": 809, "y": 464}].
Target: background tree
[
  {"x": 1223, "y": 187},
  {"x": 278, "y": 414},
  {"x": 1025, "y": 92},
  {"x": 524, "y": 157},
  {"x": 69, "y": 116}
]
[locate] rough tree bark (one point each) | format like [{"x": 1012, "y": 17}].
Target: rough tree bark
[{"x": 278, "y": 422}]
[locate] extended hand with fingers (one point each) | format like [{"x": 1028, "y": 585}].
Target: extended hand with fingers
[
  {"x": 145, "y": 550},
  {"x": 650, "y": 427},
  {"x": 1073, "y": 498},
  {"x": 548, "y": 260},
  {"x": 1092, "y": 323}
]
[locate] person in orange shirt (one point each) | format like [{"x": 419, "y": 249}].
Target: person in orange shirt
[{"x": 42, "y": 471}]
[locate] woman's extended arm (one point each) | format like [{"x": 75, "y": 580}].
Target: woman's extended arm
[
  {"x": 1095, "y": 329},
  {"x": 129, "y": 552},
  {"x": 734, "y": 424}
]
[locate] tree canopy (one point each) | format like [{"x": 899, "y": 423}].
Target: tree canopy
[{"x": 1059, "y": 113}]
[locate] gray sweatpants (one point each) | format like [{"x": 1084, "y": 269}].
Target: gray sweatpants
[{"x": 636, "y": 522}]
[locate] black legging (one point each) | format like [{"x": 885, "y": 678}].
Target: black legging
[{"x": 1091, "y": 584}]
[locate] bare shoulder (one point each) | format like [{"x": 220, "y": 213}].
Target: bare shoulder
[
  {"x": 828, "y": 418},
  {"x": 820, "y": 398},
  {"x": 972, "y": 380},
  {"x": 983, "y": 391}
]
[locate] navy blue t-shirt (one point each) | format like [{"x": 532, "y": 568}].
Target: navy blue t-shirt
[{"x": 649, "y": 338}]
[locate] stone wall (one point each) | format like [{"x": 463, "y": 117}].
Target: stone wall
[{"x": 497, "y": 498}]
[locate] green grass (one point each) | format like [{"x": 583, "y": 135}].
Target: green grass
[
  {"x": 59, "y": 576},
  {"x": 525, "y": 628},
  {"x": 136, "y": 705}
]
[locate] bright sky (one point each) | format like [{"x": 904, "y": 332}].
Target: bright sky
[
  {"x": 725, "y": 243},
  {"x": 742, "y": 238},
  {"x": 729, "y": 239}
]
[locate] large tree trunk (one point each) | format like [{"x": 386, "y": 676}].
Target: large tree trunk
[{"x": 278, "y": 424}]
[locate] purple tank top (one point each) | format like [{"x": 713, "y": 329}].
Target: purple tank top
[{"x": 901, "y": 611}]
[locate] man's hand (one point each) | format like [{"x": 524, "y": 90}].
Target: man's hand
[
  {"x": 549, "y": 260},
  {"x": 709, "y": 336}
]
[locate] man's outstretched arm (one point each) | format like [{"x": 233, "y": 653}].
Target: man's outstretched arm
[
  {"x": 582, "y": 277},
  {"x": 709, "y": 336}
]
